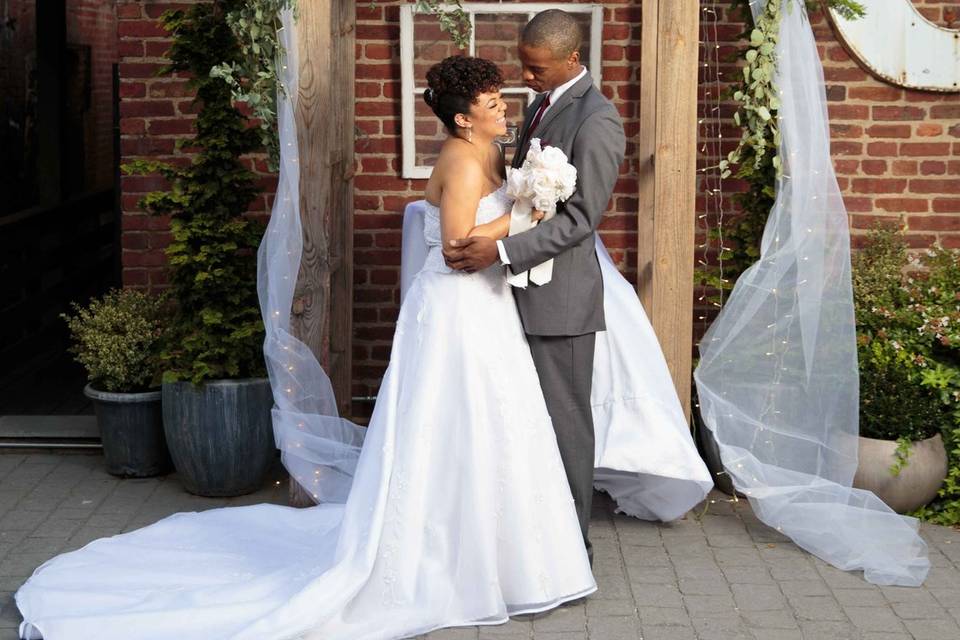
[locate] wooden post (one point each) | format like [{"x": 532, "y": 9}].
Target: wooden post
[
  {"x": 322, "y": 305},
  {"x": 667, "y": 191}
]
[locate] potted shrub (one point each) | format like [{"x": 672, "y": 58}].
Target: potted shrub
[
  {"x": 116, "y": 338},
  {"x": 906, "y": 311},
  {"x": 216, "y": 397}
]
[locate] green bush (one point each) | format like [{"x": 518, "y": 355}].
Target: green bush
[
  {"x": 117, "y": 340},
  {"x": 216, "y": 331},
  {"x": 908, "y": 314}
]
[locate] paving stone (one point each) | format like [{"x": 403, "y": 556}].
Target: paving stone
[
  {"x": 44, "y": 545},
  {"x": 651, "y": 575},
  {"x": 828, "y": 630},
  {"x": 816, "y": 608},
  {"x": 749, "y": 597},
  {"x": 795, "y": 569},
  {"x": 696, "y": 569},
  {"x": 649, "y": 632},
  {"x": 715, "y": 575},
  {"x": 721, "y": 628},
  {"x": 779, "y": 619},
  {"x": 761, "y": 533},
  {"x": 815, "y": 587},
  {"x": 776, "y": 634},
  {"x": 747, "y": 575},
  {"x": 18, "y": 520},
  {"x": 508, "y": 631},
  {"x": 842, "y": 579},
  {"x": 701, "y": 605},
  {"x": 614, "y": 628},
  {"x": 703, "y": 587},
  {"x": 727, "y": 541},
  {"x": 597, "y": 607},
  {"x": 612, "y": 588},
  {"x": 739, "y": 557},
  {"x": 658, "y": 595},
  {"x": 943, "y": 577},
  {"x": 920, "y": 611},
  {"x": 661, "y": 616},
  {"x": 561, "y": 619},
  {"x": 873, "y": 618},
  {"x": 933, "y": 629},
  {"x": 860, "y": 597},
  {"x": 645, "y": 557}
]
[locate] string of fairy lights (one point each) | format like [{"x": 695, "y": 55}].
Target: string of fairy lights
[{"x": 710, "y": 128}]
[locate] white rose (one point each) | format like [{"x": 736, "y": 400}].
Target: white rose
[
  {"x": 544, "y": 191},
  {"x": 517, "y": 183},
  {"x": 553, "y": 158},
  {"x": 533, "y": 151}
]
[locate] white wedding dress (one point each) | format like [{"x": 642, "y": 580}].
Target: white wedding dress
[{"x": 459, "y": 513}]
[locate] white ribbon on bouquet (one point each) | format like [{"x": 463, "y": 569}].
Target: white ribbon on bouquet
[{"x": 545, "y": 178}]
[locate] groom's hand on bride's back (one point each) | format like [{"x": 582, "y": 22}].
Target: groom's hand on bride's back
[{"x": 471, "y": 254}]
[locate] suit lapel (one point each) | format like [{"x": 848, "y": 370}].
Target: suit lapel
[
  {"x": 525, "y": 130},
  {"x": 574, "y": 92}
]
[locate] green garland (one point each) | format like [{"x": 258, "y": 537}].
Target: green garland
[
  {"x": 253, "y": 77},
  {"x": 453, "y": 19},
  {"x": 756, "y": 158}
]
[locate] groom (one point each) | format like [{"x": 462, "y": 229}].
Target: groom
[{"x": 561, "y": 316}]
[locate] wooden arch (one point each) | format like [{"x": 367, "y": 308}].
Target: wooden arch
[{"x": 322, "y": 313}]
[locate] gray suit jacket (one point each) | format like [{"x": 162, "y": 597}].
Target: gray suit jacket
[{"x": 587, "y": 128}]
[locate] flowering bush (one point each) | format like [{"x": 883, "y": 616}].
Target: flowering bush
[
  {"x": 117, "y": 340},
  {"x": 908, "y": 314}
]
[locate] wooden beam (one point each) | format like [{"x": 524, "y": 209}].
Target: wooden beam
[
  {"x": 325, "y": 123},
  {"x": 667, "y": 180}
]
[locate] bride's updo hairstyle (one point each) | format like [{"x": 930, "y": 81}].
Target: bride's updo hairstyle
[{"x": 455, "y": 82}]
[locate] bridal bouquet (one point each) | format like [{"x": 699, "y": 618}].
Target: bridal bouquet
[{"x": 544, "y": 179}]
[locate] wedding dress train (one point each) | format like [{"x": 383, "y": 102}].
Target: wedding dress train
[{"x": 459, "y": 511}]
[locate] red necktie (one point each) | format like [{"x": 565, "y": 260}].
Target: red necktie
[{"x": 540, "y": 111}]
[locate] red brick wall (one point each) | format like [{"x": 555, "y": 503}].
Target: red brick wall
[
  {"x": 897, "y": 152},
  {"x": 154, "y": 112}
]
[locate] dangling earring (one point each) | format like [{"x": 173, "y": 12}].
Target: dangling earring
[{"x": 469, "y": 134}]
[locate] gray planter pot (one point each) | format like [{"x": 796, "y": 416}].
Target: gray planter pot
[
  {"x": 220, "y": 435},
  {"x": 918, "y": 482},
  {"x": 131, "y": 431}
]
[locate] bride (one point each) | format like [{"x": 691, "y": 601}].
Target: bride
[{"x": 459, "y": 511}]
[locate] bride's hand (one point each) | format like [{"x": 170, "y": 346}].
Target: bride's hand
[{"x": 537, "y": 215}]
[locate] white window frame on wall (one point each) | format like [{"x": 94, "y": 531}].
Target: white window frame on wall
[{"x": 410, "y": 91}]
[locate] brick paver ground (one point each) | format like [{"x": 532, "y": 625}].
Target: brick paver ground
[{"x": 717, "y": 574}]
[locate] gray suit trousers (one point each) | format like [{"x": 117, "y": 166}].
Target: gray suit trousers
[{"x": 565, "y": 367}]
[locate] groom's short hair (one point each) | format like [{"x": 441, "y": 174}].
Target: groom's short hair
[{"x": 553, "y": 29}]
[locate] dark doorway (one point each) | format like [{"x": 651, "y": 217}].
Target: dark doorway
[{"x": 59, "y": 220}]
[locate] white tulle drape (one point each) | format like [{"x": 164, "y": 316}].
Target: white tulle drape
[
  {"x": 318, "y": 448},
  {"x": 777, "y": 381}
]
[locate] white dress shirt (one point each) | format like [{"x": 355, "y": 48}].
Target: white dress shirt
[{"x": 554, "y": 96}]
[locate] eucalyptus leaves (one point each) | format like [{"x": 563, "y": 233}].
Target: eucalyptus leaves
[
  {"x": 755, "y": 160},
  {"x": 252, "y": 75},
  {"x": 453, "y": 19},
  {"x": 756, "y": 95}
]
